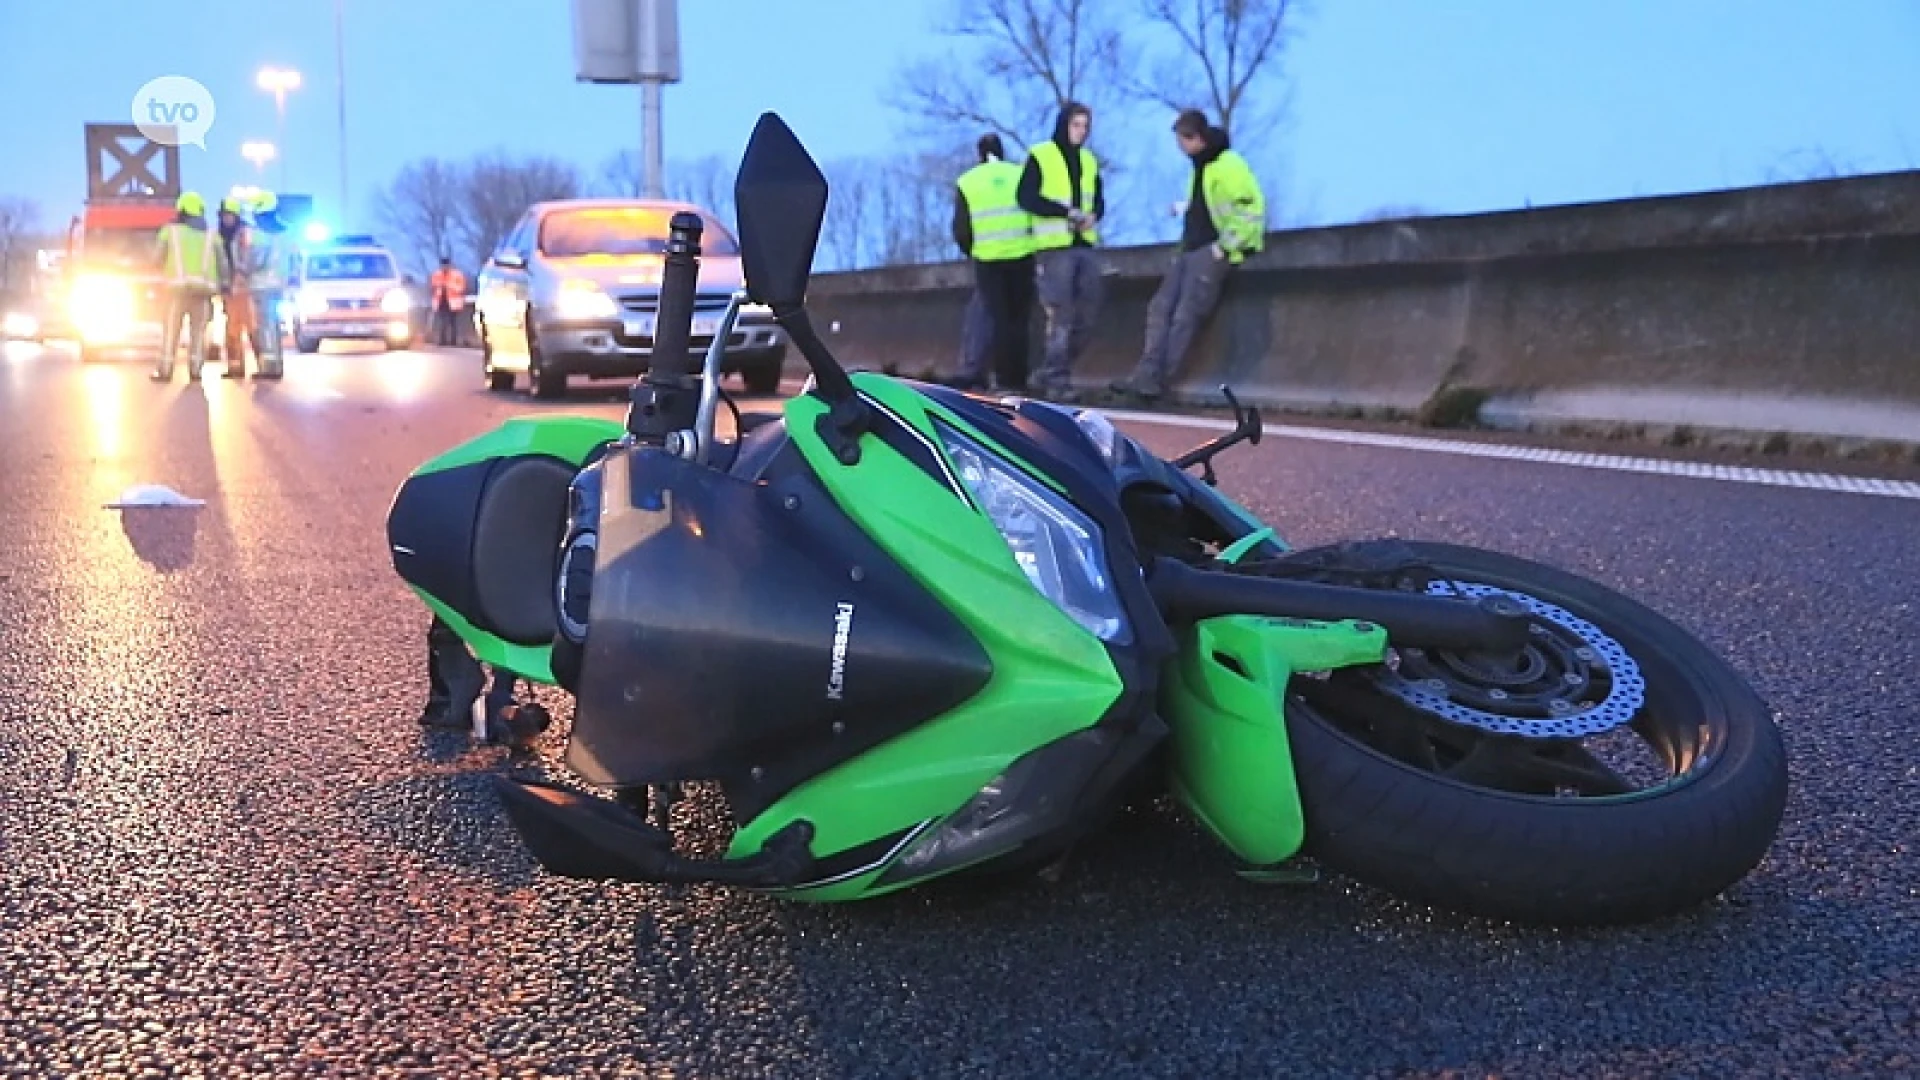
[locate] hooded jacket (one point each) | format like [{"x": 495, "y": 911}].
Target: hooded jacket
[
  {"x": 1029, "y": 194},
  {"x": 1198, "y": 230}
]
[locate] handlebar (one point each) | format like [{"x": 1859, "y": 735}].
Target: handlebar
[
  {"x": 665, "y": 403},
  {"x": 673, "y": 325}
]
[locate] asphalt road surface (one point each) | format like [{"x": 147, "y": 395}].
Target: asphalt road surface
[{"x": 227, "y": 849}]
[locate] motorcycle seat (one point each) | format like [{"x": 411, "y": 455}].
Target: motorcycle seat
[{"x": 484, "y": 540}]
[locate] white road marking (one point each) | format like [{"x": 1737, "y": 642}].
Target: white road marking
[{"x": 1812, "y": 481}]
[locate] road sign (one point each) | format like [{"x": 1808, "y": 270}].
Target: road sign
[
  {"x": 121, "y": 165},
  {"x": 626, "y": 41}
]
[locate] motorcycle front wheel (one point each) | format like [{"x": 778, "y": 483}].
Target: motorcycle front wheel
[{"x": 1614, "y": 771}]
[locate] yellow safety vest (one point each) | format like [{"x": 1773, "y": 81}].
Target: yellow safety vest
[
  {"x": 1001, "y": 230},
  {"x": 1053, "y": 232},
  {"x": 189, "y": 263},
  {"x": 1236, "y": 205}
]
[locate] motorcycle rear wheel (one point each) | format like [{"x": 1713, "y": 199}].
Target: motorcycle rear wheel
[{"x": 1538, "y": 830}]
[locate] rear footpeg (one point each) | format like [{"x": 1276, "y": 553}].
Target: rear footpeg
[{"x": 576, "y": 835}]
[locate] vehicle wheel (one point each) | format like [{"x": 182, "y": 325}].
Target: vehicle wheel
[
  {"x": 499, "y": 382},
  {"x": 544, "y": 382},
  {"x": 1484, "y": 785},
  {"x": 763, "y": 376},
  {"x": 306, "y": 344}
]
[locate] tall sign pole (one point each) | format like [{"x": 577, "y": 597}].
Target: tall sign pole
[
  {"x": 340, "y": 73},
  {"x": 623, "y": 42}
]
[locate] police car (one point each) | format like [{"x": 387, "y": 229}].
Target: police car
[{"x": 349, "y": 288}]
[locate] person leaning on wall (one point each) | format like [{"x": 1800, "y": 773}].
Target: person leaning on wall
[{"x": 1226, "y": 220}]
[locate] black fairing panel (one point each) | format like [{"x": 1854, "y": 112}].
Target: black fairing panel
[
  {"x": 750, "y": 633},
  {"x": 483, "y": 539},
  {"x": 430, "y": 532}
]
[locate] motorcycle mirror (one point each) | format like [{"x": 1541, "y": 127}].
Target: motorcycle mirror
[{"x": 780, "y": 197}]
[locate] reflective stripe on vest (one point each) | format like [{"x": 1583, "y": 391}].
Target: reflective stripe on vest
[
  {"x": 1001, "y": 230},
  {"x": 204, "y": 272},
  {"x": 1055, "y": 184}
]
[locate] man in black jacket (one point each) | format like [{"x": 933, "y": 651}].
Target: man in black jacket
[
  {"x": 1061, "y": 188},
  {"x": 996, "y": 234},
  {"x": 1226, "y": 220}
]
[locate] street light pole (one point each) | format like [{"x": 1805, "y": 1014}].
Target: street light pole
[
  {"x": 340, "y": 63},
  {"x": 279, "y": 81}
]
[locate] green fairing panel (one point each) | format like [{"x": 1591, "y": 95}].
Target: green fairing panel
[
  {"x": 1224, "y": 698},
  {"x": 568, "y": 438},
  {"x": 531, "y": 662},
  {"x": 1050, "y": 679}
]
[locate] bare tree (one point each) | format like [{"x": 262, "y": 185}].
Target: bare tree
[
  {"x": 1020, "y": 61},
  {"x": 914, "y": 209},
  {"x": 623, "y": 176},
  {"x": 18, "y": 219},
  {"x": 498, "y": 189},
  {"x": 1808, "y": 163},
  {"x": 707, "y": 183},
  {"x": 846, "y": 235},
  {"x": 1223, "y": 48},
  {"x": 422, "y": 209}
]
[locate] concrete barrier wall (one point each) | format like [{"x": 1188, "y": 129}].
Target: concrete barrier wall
[{"x": 1793, "y": 308}]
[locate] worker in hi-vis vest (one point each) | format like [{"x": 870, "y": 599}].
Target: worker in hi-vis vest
[
  {"x": 449, "y": 300},
  {"x": 997, "y": 235},
  {"x": 192, "y": 260},
  {"x": 1061, "y": 188},
  {"x": 266, "y": 275},
  {"x": 1226, "y": 220}
]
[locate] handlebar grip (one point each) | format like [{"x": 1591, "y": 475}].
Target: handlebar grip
[{"x": 673, "y": 325}]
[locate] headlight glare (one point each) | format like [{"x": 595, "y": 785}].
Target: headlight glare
[
  {"x": 579, "y": 299},
  {"x": 396, "y": 302}
]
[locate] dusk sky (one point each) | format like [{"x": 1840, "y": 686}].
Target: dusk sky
[{"x": 1474, "y": 105}]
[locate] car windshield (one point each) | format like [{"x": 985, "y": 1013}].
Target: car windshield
[
  {"x": 623, "y": 230},
  {"x": 350, "y": 266}
]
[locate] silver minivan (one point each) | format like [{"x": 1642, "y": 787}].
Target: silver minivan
[{"x": 574, "y": 289}]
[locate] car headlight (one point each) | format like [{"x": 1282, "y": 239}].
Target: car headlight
[
  {"x": 19, "y": 324},
  {"x": 396, "y": 302},
  {"x": 1058, "y": 546},
  {"x": 312, "y": 306},
  {"x": 101, "y": 307},
  {"x": 583, "y": 300}
]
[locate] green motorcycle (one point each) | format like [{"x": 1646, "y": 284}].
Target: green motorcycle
[{"x": 910, "y": 632}]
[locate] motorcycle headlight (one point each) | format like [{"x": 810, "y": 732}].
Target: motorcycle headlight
[
  {"x": 1058, "y": 546},
  {"x": 578, "y": 299},
  {"x": 396, "y": 302},
  {"x": 1034, "y": 797}
]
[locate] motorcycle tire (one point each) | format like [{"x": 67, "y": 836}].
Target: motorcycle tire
[{"x": 1391, "y": 821}]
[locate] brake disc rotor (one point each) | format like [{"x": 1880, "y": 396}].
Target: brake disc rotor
[{"x": 1553, "y": 681}]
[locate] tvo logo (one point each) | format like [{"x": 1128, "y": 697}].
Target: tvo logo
[{"x": 174, "y": 110}]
